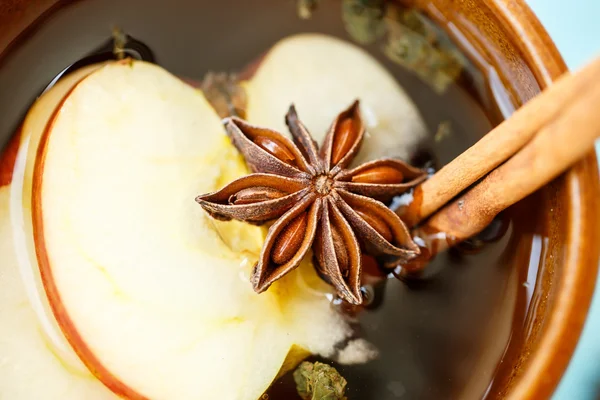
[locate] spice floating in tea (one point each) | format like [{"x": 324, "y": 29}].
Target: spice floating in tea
[
  {"x": 406, "y": 36},
  {"x": 319, "y": 381},
  {"x": 316, "y": 201},
  {"x": 364, "y": 20},
  {"x": 225, "y": 94}
]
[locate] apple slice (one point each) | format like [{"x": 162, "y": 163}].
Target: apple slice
[
  {"x": 30, "y": 367},
  {"x": 37, "y": 362},
  {"x": 31, "y": 132},
  {"x": 322, "y": 75},
  {"x": 149, "y": 295}
]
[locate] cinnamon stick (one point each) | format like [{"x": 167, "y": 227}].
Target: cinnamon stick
[
  {"x": 560, "y": 142},
  {"x": 502, "y": 142}
]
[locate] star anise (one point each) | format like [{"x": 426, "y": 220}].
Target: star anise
[{"x": 316, "y": 201}]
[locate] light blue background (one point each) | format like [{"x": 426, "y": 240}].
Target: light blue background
[{"x": 575, "y": 27}]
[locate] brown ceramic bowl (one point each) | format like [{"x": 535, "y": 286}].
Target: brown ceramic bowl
[{"x": 508, "y": 37}]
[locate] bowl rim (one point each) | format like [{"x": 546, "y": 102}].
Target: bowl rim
[{"x": 577, "y": 278}]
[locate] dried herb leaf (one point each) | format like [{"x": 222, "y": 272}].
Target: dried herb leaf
[
  {"x": 443, "y": 131},
  {"x": 318, "y": 381},
  {"x": 363, "y": 19},
  {"x": 120, "y": 40},
  {"x": 224, "y": 94},
  {"x": 416, "y": 43}
]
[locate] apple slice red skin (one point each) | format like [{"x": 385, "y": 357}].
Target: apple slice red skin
[
  {"x": 65, "y": 322},
  {"x": 8, "y": 157}
]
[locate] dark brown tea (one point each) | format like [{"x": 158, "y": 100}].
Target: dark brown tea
[{"x": 450, "y": 333}]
